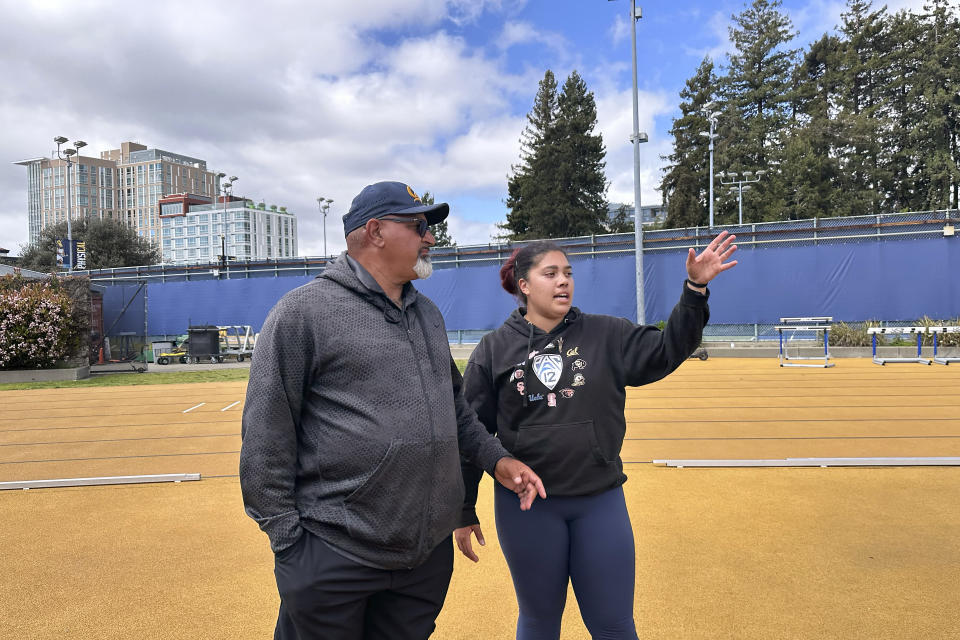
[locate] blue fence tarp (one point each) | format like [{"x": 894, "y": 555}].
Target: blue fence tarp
[{"x": 886, "y": 280}]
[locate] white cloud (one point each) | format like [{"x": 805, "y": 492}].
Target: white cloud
[
  {"x": 615, "y": 122},
  {"x": 718, "y": 24},
  {"x": 467, "y": 232},
  {"x": 523, "y": 33},
  {"x": 298, "y": 101},
  {"x": 619, "y": 31}
]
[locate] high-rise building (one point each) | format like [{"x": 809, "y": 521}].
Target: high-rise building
[
  {"x": 124, "y": 184},
  {"x": 198, "y": 229}
]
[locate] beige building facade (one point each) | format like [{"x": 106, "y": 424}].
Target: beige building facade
[{"x": 124, "y": 184}]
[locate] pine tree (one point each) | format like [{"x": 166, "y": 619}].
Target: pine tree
[
  {"x": 559, "y": 188},
  {"x": 935, "y": 91},
  {"x": 899, "y": 156},
  {"x": 810, "y": 170},
  {"x": 440, "y": 231},
  {"x": 864, "y": 113},
  {"x": 540, "y": 122},
  {"x": 758, "y": 92},
  {"x": 685, "y": 185}
]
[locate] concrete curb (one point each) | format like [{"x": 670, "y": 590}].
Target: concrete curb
[{"x": 44, "y": 375}]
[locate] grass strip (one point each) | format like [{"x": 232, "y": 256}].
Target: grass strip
[{"x": 132, "y": 379}]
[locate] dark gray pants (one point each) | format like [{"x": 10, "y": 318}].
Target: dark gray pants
[{"x": 325, "y": 595}]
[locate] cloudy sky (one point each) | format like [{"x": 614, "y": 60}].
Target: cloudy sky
[{"x": 307, "y": 99}]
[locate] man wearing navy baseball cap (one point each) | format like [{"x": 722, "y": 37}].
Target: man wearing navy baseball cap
[
  {"x": 353, "y": 430},
  {"x": 393, "y": 202}
]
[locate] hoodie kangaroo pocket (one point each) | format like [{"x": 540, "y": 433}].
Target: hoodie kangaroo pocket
[
  {"x": 386, "y": 509},
  {"x": 565, "y": 456}
]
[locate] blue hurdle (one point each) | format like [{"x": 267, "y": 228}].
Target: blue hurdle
[
  {"x": 875, "y": 331},
  {"x": 938, "y": 330}
]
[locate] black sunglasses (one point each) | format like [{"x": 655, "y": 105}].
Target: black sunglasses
[{"x": 421, "y": 223}]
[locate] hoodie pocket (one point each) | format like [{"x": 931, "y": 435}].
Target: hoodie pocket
[
  {"x": 386, "y": 510},
  {"x": 567, "y": 456}
]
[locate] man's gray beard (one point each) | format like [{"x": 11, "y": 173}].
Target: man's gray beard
[{"x": 423, "y": 268}]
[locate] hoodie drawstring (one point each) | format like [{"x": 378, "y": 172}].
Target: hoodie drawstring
[{"x": 526, "y": 365}]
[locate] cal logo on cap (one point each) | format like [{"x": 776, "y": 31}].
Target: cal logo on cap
[{"x": 413, "y": 194}]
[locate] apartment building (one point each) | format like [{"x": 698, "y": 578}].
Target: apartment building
[
  {"x": 123, "y": 184},
  {"x": 197, "y": 229}
]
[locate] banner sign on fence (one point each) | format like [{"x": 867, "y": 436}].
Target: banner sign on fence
[
  {"x": 81, "y": 255},
  {"x": 71, "y": 252}
]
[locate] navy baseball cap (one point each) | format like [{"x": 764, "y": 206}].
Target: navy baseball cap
[{"x": 390, "y": 198}]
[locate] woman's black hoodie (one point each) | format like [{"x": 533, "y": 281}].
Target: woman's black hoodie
[{"x": 556, "y": 400}]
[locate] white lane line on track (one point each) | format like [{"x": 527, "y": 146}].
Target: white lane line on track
[
  {"x": 192, "y": 408},
  {"x": 230, "y": 405}
]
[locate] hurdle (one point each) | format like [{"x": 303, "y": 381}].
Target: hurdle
[
  {"x": 816, "y": 324},
  {"x": 938, "y": 330},
  {"x": 875, "y": 331}
]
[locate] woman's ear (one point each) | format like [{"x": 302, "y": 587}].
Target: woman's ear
[{"x": 524, "y": 286}]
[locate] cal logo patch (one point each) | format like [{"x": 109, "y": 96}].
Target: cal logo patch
[
  {"x": 548, "y": 368},
  {"x": 414, "y": 195}
]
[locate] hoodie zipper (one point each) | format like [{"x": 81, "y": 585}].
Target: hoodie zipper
[{"x": 425, "y": 514}]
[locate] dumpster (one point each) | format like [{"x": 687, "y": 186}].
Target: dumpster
[{"x": 204, "y": 343}]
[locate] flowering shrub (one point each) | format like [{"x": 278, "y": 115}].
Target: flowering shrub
[{"x": 34, "y": 323}]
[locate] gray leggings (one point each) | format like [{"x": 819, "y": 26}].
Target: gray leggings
[{"x": 587, "y": 540}]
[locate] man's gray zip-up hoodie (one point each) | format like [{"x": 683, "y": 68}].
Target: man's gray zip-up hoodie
[{"x": 354, "y": 423}]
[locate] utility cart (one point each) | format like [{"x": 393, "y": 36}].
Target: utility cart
[{"x": 236, "y": 340}]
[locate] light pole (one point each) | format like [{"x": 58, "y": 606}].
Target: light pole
[
  {"x": 746, "y": 180},
  {"x": 227, "y": 189},
  {"x": 66, "y": 156},
  {"x": 636, "y": 138},
  {"x": 324, "y": 204},
  {"x": 712, "y": 135}
]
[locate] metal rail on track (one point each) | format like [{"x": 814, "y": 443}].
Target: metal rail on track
[
  {"x": 817, "y": 462},
  {"x": 106, "y": 480}
]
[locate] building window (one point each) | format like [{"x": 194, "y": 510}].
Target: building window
[
  {"x": 203, "y": 228},
  {"x": 179, "y": 243}
]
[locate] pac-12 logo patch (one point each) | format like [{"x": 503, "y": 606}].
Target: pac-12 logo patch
[{"x": 548, "y": 368}]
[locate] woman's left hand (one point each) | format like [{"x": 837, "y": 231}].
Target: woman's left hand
[{"x": 714, "y": 259}]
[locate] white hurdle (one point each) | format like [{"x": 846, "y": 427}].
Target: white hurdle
[
  {"x": 936, "y": 331},
  {"x": 919, "y": 331},
  {"x": 815, "y": 324}
]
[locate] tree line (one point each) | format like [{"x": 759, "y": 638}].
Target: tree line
[{"x": 862, "y": 122}]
